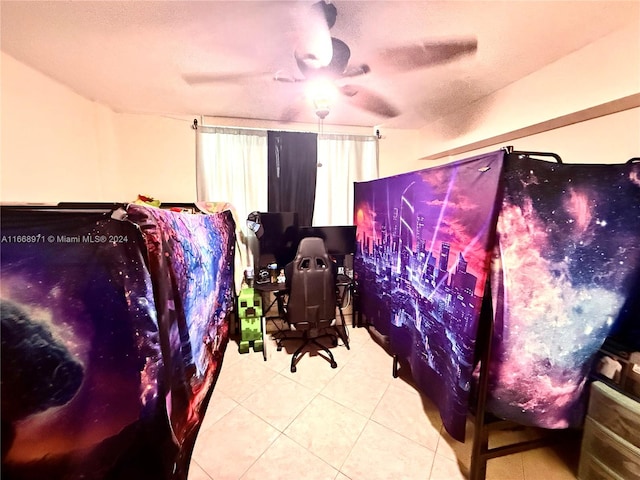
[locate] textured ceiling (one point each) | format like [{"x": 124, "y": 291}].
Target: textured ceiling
[{"x": 152, "y": 56}]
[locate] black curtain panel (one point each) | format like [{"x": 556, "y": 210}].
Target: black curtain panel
[{"x": 293, "y": 159}]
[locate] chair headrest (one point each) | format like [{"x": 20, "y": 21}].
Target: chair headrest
[{"x": 311, "y": 247}]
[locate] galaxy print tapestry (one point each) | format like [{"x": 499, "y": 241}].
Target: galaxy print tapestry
[
  {"x": 92, "y": 386},
  {"x": 424, "y": 245},
  {"x": 567, "y": 275},
  {"x": 191, "y": 260},
  {"x": 80, "y": 349}
]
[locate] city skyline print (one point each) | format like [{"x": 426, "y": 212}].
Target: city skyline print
[{"x": 424, "y": 246}]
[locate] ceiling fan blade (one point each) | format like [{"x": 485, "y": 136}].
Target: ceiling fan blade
[
  {"x": 204, "y": 78},
  {"x": 426, "y": 54},
  {"x": 366, "y": 99},
  {"x": 281, "y": 76},
  {"x": 350, "y": 72}
]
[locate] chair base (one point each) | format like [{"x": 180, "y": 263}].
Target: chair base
[{"x": 314, "y": 340}]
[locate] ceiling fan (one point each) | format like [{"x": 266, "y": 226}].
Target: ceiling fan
[{"x": 324, "y": 58}]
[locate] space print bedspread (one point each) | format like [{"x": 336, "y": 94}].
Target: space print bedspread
[
  {"x": 191, "y": 259},
  {"x": 98, "y": 381},
  {"x": 424, "y": 245},
  {"x": 80, "y": 348},
  {"x": 569, "y": 264}
]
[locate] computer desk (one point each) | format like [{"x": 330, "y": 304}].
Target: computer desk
[{"x": 280, "y": 291}]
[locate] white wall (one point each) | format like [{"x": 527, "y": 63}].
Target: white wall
[
  {"x": 612, "y": 138},
  {"x": 399, "y": 151},
  {"x": 157, "y": 157},
  {"x": 271, "y": 125},
  {"x": 49, "y": 140},
  {"x": 58, "y": 146}
]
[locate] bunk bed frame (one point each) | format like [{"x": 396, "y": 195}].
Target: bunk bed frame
[{"x": 484, "y": 421}]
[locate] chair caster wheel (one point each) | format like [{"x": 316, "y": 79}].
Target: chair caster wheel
[
  {"x": 334, "y": 365},
  {"x": 279, "y": 347},
  {"x": 293, "y": 369}
]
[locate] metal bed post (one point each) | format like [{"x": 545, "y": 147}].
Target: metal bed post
[{"x": 480, "y": 446}]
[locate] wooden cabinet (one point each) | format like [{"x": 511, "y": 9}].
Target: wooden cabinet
[{"x": 611, "y": 442}]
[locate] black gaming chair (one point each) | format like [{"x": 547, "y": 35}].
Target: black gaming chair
[{"x": 311, "y": 308}]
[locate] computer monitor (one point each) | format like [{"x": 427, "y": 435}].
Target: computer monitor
[
  {"x": 338, "y": 240},
  {"x": 276, "y": 240}
]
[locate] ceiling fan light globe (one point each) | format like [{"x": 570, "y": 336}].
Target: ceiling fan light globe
[
  {"x": 321, "y": 93},
  {"x": 322, "y": 113},
  {"x": 322, "y": 90}
]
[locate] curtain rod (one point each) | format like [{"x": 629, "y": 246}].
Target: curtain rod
[{"x": 195, "y": 126}]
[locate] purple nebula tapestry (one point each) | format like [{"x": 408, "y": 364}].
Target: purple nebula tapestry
[
  {"x": 80, "y": 349},
  {"x": 97, "y": 382},
  {"x": 567, "y": 268},
  {"x": 191, "y": 260},
  {"x": 424, "y": 245}
]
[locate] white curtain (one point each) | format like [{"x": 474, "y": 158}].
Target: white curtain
[
  {"x": 231, "y": 166},
  {"x": 342, "y": 160}
]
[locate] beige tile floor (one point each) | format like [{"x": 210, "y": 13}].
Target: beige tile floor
[{"x": 354, "y": 422}]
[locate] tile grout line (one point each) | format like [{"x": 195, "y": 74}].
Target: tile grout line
[
  {"x": 193, "y": 460},
  {"x": 311, "y": 453},
  {"x": 315, "y": 394},
  {"x": 433, "y": 458},
  {"x": 369, "y": 419},
  {"x": 263, "y": 452},
  {"x": 282, "y": 432}
]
